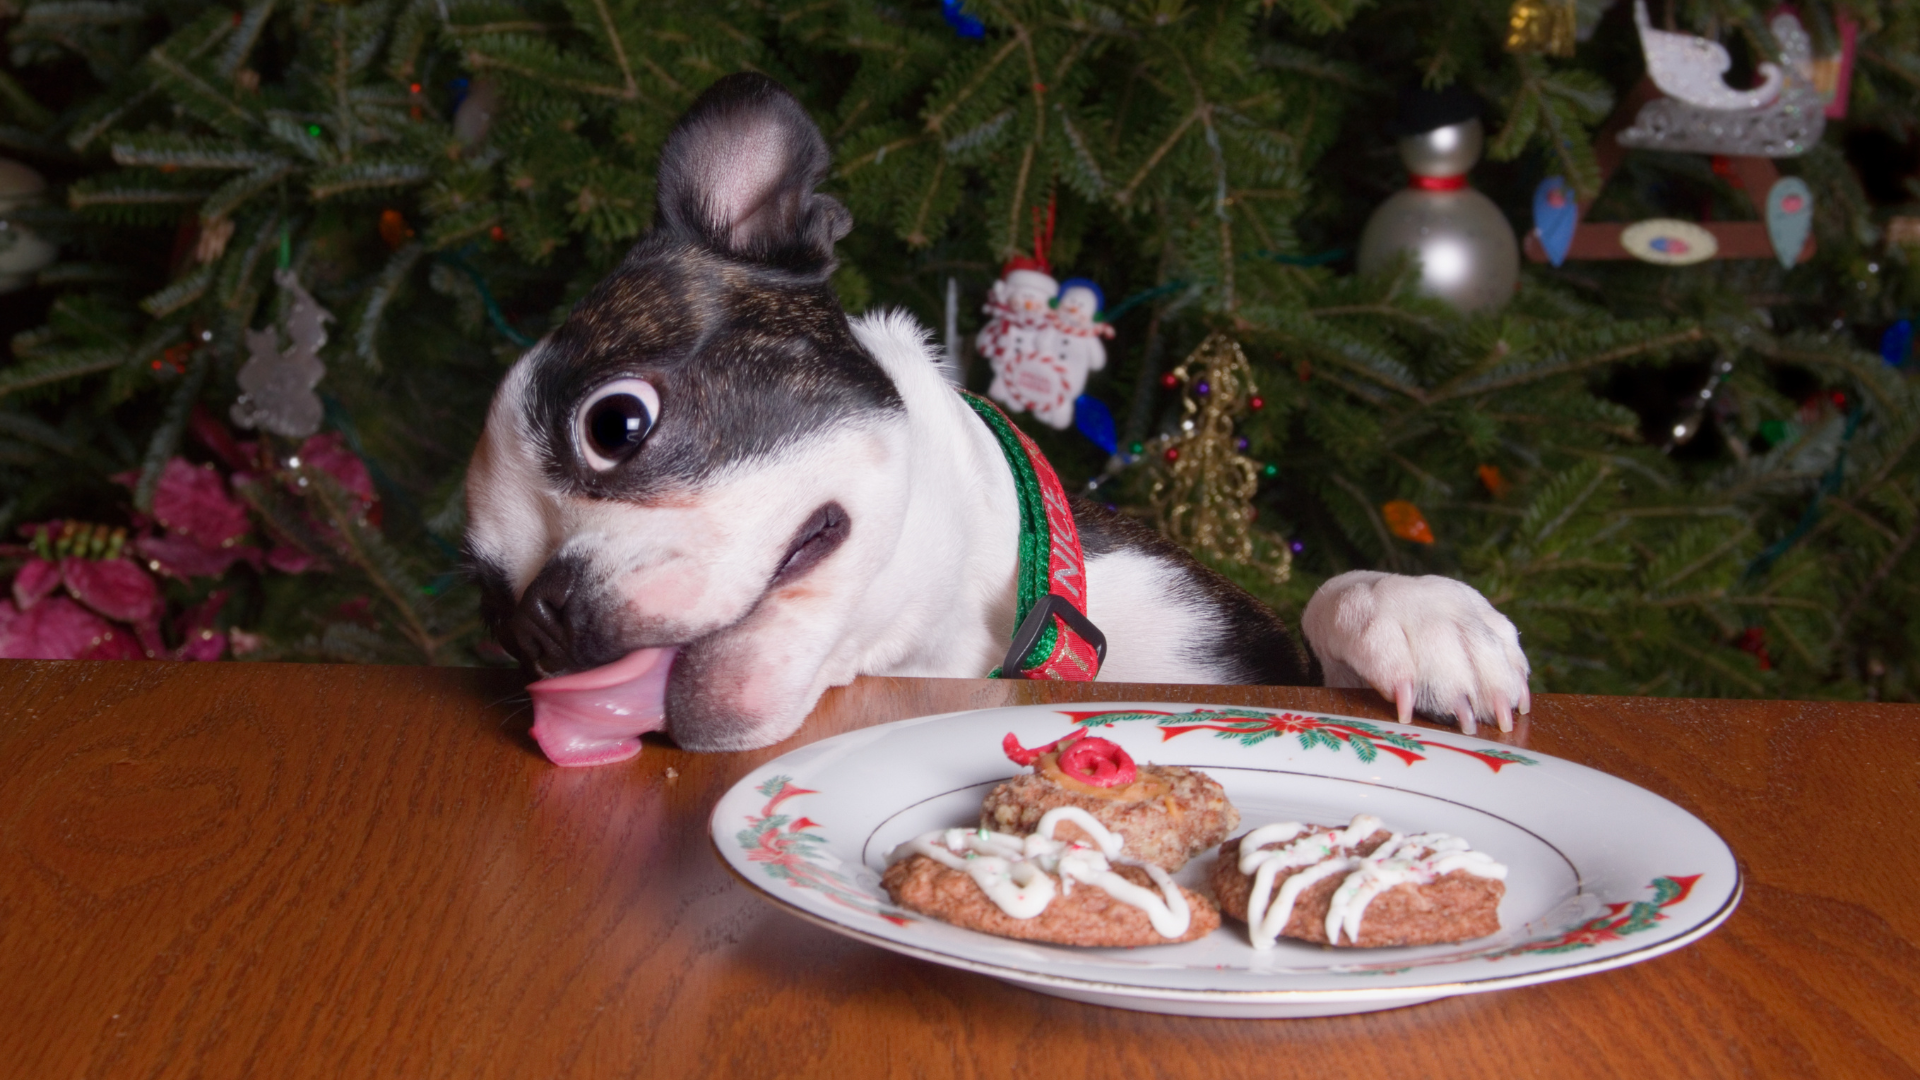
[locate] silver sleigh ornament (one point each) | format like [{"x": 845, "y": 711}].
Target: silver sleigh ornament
[{"x": 1782, "y": 117}]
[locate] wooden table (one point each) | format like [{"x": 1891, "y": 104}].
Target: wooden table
[{"x": 256, "y": 870}]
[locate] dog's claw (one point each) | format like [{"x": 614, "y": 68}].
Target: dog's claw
[
  {"x": 1464, "y": 711},
  {"x": 1504, "y": 713},
  {"x": 1403, "y": 700},
  {"x": 1526, "y": 700}
]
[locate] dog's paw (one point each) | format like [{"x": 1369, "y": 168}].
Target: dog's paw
[{"x": 1429, "y": 643}]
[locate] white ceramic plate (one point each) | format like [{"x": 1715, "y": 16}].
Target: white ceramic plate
[{"x": 1601, "y": 873}]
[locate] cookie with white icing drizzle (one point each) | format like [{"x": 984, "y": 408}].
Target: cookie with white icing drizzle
[
  {"x": 1039, "y": 888},
  {"x": 1358, "y": 886}
]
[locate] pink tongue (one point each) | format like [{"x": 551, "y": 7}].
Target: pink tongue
[{"x": 596, "y": 717}]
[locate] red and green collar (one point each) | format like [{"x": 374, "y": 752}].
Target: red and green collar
[{"x": 1054, "y": 638}]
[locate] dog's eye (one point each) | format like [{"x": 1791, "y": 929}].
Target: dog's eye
[{"x": 614, "y": 419}]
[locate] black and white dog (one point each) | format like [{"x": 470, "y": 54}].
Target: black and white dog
[{"x": 709, "y": 496}]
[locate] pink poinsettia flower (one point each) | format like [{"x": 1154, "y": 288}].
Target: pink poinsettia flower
[
  {"x": 34, "y": 581},
  {"x": 115, "y": 607},
  {"x": 329, "y": 453},
  {"x": 115, "y": 588},
  {"x": 185, "y": 557},
  {"x": 205, "y": 524},
  {"x": 199, "y": 639},
  {"x": 194, "y": 501},
  {"x": 116, "y": 617},
  {"x": 289, "y": 560},
  {"x": 218, "y": 438},
  {"x": 56, "y": 628}
]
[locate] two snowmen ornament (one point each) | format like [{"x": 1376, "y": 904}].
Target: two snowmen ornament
[{"x": 1041, "y": 339}]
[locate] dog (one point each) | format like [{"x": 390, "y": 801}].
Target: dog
[{"x": 709, "y": 495}]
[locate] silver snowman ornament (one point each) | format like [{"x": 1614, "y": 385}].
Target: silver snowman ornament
[
  {"x": 22, "y": 252},
  {"x": 1464, "y": 246}
]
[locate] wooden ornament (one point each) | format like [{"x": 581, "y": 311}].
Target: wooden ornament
[
  {"x": 1668, "y": 242},
  {"x": 1789, "y": 218},
  {"x": 1833, "y": 75},
  {"x": 1599, "y": 240},
  {"x": 1556, "y": 214}
]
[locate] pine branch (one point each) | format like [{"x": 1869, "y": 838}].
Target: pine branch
[
  {"x": 173, "y": 424},
  {"x": 1567, "y": 367},
  {"x": 241, "y": 42},
  {"x": 233, "y": 194},
  {"x": 196, "y": 95},
  {"x": 1366, "y": 506},
  {"x": 365, "y": 176},
  {"x": 21, "y": 104},
  {"x": 481, "y": 61},
  {"x": 170, "y": 151},
  {"x": 367, "y": 550},
  {"x": 58, "y": 367},
  {"x": 937, "y": 119},
  {"x": 367, "y": 332},
  {"x": 1125, "y": 195},
  {"x": 84, "y": 134},
  {"x": 1869, "y": 588},
  {"x": 179, "y": 294},
  {"x": 631, "y": 90},
  {"x": 126, "y": 191}
]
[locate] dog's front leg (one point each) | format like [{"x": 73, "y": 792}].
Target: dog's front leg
[{"x": 1428, "y": 643}]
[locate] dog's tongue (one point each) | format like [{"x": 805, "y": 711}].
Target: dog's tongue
[{"x": 596, "y": 717}]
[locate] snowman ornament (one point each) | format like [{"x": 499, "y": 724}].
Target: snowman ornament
[{"x": 1041, "y": 340}]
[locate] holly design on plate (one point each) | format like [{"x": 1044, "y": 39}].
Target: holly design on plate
[
  {"x": 791, "y": 849},
  {"x": 1251, "y": 727},
  {"x": 1621, "y": 919}
]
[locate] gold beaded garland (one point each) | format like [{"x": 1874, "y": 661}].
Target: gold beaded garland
[
  {"x": 1542, "y": 26},
  {"x": 1203, "y": 486}
]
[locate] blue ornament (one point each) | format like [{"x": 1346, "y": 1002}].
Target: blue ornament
[
  {"x": 963, "y": 24},
  {"x": 1896, "y": 345},
  {"x": 1095, "y": 421},
  {"x": 1556, "y": 214},
  {"x": 1789, "y": 218}
]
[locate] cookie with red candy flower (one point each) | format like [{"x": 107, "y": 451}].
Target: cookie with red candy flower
[{"x": 1167, "y": 813}]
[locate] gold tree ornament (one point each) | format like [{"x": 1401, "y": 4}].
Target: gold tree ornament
[
  {"x": 1541, "y": 26},
  {"x": 1203, "y": 486}
]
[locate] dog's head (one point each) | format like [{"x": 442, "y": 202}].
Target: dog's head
[{"x": 682, "y": 490}]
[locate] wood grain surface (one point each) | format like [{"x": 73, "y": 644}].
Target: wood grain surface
[{"x": 255, "y": 870}]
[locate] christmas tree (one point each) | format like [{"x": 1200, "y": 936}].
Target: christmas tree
[{"x": 298, "y": 242}]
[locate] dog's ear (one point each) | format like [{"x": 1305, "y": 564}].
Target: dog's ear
[{"x": 738, "y": 173}]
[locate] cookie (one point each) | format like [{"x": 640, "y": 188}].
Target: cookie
[
  {"x": 1359, "y": 886},
  {"x": 1042, "y": 888},
  {"x": 1167, "y": 813}
]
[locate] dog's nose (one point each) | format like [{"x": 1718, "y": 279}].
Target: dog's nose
[{"x": 540, "y": 625}]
